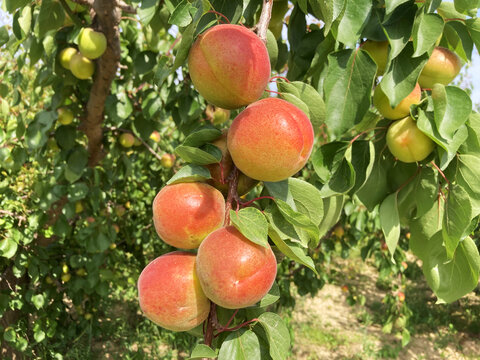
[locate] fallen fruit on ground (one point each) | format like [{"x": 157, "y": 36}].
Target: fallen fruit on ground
[
  {"x": 406, "y": 142},
  {"x": 381, "y": 102},
  {"x": 170, "y": 294},
  {"x": 91, "y": 43},
  {"x": 126, "y": 140},
  {"x": 184, "y": 214},
  {"x": 65, "y": 57},
  {"x": 221, "y": 171},
  {"x": 65, "y": 116},
  {"x": 233, "y": 271},
  {"x": 81, "y": 67},
  {"x": 270, "y": 140},
  {"x": 442, "y": 67},
  {"x": 378, "y": 50},
  {"x": 229, "y": 66}
]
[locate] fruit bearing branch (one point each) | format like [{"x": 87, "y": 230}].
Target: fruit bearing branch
[
  {"x": 262, "y": 25},
  {"x": 107, "y": 19}
]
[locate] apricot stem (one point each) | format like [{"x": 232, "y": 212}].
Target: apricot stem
[
  {"x": 273, "y": 91},
  {"x": 208, "y": 335},
  {"x": 365, "y": 132},
  {"x": 440, "y": 172},
  {"x": 232, "y": 193},
  {"x": 235, "y": 327},
  {"x": 278, "y": 77},
  {"x": 245, "y": 204},
  {"x": 262, "y": 25},
  {"x": 219, "y": 14}
]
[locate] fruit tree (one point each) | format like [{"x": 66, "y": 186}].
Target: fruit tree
[{"x": 201, "y": 151}]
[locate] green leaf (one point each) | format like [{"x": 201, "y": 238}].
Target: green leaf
[
  {"x": 203, "y": 351},
  {"x": 38, "y": 301},
  {"x": 293, "y": 251},
  {"x": 347, "y": 85},
  {"x": 8, "y": 247},
  {"x": 456, "y": 218},
  {"x": 465, "y": 5},
  {"x": 202, "y": 136},
  {"x": 332, "y": 207},
  {"x": 310, "y": 97},
  {"x": 450, "y": 279},
  {"x": 240, "y": 345},
  {"x": 181, "y": 15},
  {"x": 187, "y": 41},
  {"x": 295, "y": 101},
  {"x": 425, "y": 191},
  {"x": 272, "y": 296},
  {"x": 398, "y": 28},
  {"x": 467, "y": 177},
  {"x": 361, "y": 154},
  {"x": 299, "y": 221},
  {"x": 342, "y": 180},
  {"x": 277, "y": 334},
  {"x": 51, "y": 17},
  {"x": 9, "y": 334},
  {"x": 401, "y": 76},
  {"x": 65, "y": 137},
  {"x": 281, "y": 190},
  {"x": 190, "y": 173},
  {"x": 327, "y": 159},
  {"x": 145, "y": 62},
  {"x": 452, "y": 108},
  {"x": 390, "y": 222},
  {"x": 4, "y": 36},
  {"x": 391, "y": 5},
  {"x": 77, "y": 191},
  {"x": 427, "y": 29},
  {"x": 209, "y": 155},
  {"x": 252, "y": 224},
  {"x": 307, "y": 198},
  {"x": 146, "y": 11},
  {"x": 25, "y": 20},
  {"x": 76, "y": 163},
  {"x": 354, "y": 19}
]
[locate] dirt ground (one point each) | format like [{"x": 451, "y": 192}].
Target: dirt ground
[{"x": 326, "y": 327}]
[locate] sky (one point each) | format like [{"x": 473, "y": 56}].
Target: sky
[{"x": 471, "y": 72}]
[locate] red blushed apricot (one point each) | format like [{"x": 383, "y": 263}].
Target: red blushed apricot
[
  {"x": 270, "y": 140},
  {"x": 170, "y": 294},
  {"x": 442, "y": 67},
  {"x": 233, "y": 271},
  {"x": 229, "y": 66},
  {"x": 184, "y": 214}
]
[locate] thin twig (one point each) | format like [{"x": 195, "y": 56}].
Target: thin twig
[
  {"x": 262, "y": 25},
  {"x": 125, "y": 7}
]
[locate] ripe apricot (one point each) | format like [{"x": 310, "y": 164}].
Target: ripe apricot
[
  {"x": 381, "y": 102},
  {"x": 442, "y": 67},
  {"x": 170, "y": 294},
  {"x": 270, "y": 140},
  {"x": 229, "y": 66},
  {"x": 184, "y": 214},
  {"x": 233, "y": 271}
]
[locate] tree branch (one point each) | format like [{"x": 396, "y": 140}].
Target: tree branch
[
  {"x": 84, "y": 2},
  {"x": 262, "y": 25},
  {"x": 125, "y": 7},
  {"x": 107, "y": 19}
]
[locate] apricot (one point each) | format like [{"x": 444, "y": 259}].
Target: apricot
[
  {"x": 378, "y": 50},
  {"x": 270, "y": 140},
  {"x": 65, "y": 56},
  {"x": 81, "y": 67},
  {"x": 92, "y": 44},
  {"x": 184, "y": 214},
  {"x": 442, "y": 67},
  {"x": 220, "y": 171},
  {"x": 381, "y": 102},
  {"x": 407, "y": 142},
  {"x": 233, "y": 271},
  {"x": 170, "y": 294},
  {"x": 229, "y": 66}
]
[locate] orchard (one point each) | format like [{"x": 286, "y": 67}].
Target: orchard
[{"x": 208, "y": 158}]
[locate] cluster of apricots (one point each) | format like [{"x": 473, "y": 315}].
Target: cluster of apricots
[
  {"x": 405, "y": 141},
  {"x": 270, "y": 140},
  {"x": 91, "y": 45}
]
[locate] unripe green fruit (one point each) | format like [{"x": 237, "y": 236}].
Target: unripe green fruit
[
  {"x": 167, "y": 160},
  {"x": 217, "y": 115},
  {"x": 381, "y": 102},
  {"x": 65, "y": 116},
  {"x": 81, "y": 67},
  {"x": 406, "y": 142},
  {"x": 272, "y": 48},
  {"x": 126, "y": 140},
  {"x": 378, "y": 50},
  {"x": 92, "y": 44},
  {"x": 66, "y": 55},
  {"x": 442, "y": 67}
]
